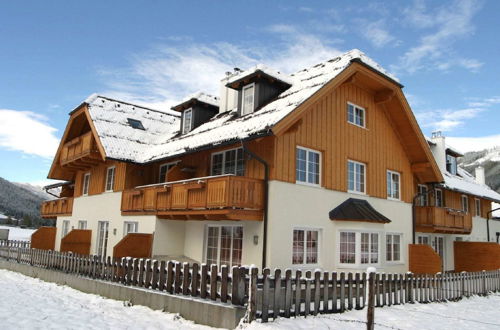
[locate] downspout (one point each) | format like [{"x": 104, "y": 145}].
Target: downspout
[
  {"x": 488, "y": 221},
  {"x": 266, "y": 198}
]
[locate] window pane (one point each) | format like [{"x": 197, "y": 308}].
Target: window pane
[
  {"x": 350, "y": 113},
  {"x": 248, "y": 100},
  {"x": 230, "y": 162},
  {"x": 240, "y": 163},
  {"x": 212, "y": 245},
  {"x": 374, "y": 248},
  {"x": 225, "y": 245},
  {"x": 237, "y": 246},
  {"x": 388, "y": 248},
  {"x": 187, "y": 121},
  {"x": 313, "y": 167},
  {"x": 348, "y": 247},
  {"x": 300, "y": 165},
  {"x": 365, "y": 247},
  {"x": 312, "y": 247},
  {"x": 351, "y": 174},
  {"x": 397, "y": 247},
  {"x": 298, "y": 247},
  {"x": 217, "y": 164}
]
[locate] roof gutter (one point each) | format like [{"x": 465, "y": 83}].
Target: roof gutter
[{"x": 266, "y": 198}]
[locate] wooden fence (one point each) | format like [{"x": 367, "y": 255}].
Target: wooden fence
[{"x": 266, "y": 296}]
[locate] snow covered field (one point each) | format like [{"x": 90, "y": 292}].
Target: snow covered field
[
  {"x": 29, "y": 303},
  {"x": 16, "y": 233}
]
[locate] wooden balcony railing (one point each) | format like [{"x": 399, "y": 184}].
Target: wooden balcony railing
[
  {"x": 214, "y": 198},
  {"x": 443, "y": 220},
  {"x": 57, "y": 207},
  {"x": 83, "y": 146}
]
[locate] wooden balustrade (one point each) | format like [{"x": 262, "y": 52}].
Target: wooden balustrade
[
  {"x": 217, "y": 197},
  {"x": 443, "y": 220},
  {"x": 83, "y": 146},
  {"x": 57, "y": 207}
]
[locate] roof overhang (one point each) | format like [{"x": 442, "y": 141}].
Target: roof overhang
[
  {"x": 354, "y": 209},
  {"x": 253, "y": 76}
]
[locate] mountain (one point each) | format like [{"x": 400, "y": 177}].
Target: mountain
[
  {"x": 22, "y": 202},
  {"x": 37, "y": 190},
  {"x": 489, "y": 159}
]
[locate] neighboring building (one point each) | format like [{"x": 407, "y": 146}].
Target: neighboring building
[{"x": 318, "y": 169}]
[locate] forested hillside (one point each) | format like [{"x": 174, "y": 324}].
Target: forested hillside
[{"x": 490, "y": 160}]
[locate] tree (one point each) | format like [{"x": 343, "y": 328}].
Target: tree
[
  {"x": 27, "y": 221},
  {"x": 9, "y": 221}
]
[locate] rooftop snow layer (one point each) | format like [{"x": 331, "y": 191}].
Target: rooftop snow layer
[
  {"x": 202, "y": 97},
  {"x": 260, "y": 67},
  {"x": 119, "y": 139},
  {"x": 466, "y": 183}
]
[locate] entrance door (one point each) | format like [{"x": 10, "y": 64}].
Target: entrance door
[
  {"x": 102, "y": 238},
  {"x": 438, "y": 246}
]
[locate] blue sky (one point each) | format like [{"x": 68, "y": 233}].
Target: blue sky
[{"x": 53, "y": 54}]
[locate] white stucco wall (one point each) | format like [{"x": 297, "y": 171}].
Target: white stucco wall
[
  {"x": 103, "y": 207},
  {"x": 293, "y": 205}
]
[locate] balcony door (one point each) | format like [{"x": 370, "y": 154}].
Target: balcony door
[
  {"x": 102, "y": 238},
  {"x": 224, "y": 245}
]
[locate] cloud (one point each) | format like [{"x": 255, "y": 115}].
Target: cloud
[
  {"x": 447, "y": 119},
  {"x": 27, "y": 132},
  {"x": 377, "y": 34},
  {"x": 166, "y": 74},
  {"x": 435, "y": 50},
  {"x": 466, "y": 144}
]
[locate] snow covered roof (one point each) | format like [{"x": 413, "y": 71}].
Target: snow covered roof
[
  {"x": 466, "y": 183},
  {"x": 161, "y": 138},
  {"x": 202, "y": 97},
  {"x": 119, "y": 139},
  {"x": 259, "y": 68}
]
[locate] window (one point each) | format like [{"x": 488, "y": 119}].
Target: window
[
  {"x": 355, "y": 115},
  {"x": 228, "y": 162},
  {"x": 130, "y": 227},
  {"x": 134, "y": 123},
  {"x": 224, "y": 245},
  {"x": 86, "y": 184},
  {"x": 451, "y": 164},
  {"x": 438, "y": 194},
  {"x": 164, "y": 168},
  {"x": 465, "y": 204},
  {"x": 358, "y": 248},
  {"x": 187, "y": 120},
  {"x": 65, "y": 228},
  {"x": 110, "y": 178},
  {"x": 356, "y": 176},
  {"x": 393, "y": 184},
  {"x": 424, "y": 196},
  {"x": 393, "y": 247},
  {"x": 247, "y": 99},
  {"x": 307, "y": 166},
  {"x": 423, "y": 240},
  {"x": 102, "y": 238},
  {"x": 477, "y": 202},
  {"x": 305, "y": 246},
  {"x": 82, "y": 224},
  {"x": 369, "y": 248},
  {"x": 347, "y": 247}
]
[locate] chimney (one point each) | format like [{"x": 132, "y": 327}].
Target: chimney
[
  {"x": 439, "y": 150},
  {"x": 228, "y": 99},
  {"x": 480, "y": 177}
]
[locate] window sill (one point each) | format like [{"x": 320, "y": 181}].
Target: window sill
[
  {"x": 357, "y": 192},
  {"x": 308, "y": 184},
  {"x": 364, "y": 127},
  {"x": 394, "y": 199}
]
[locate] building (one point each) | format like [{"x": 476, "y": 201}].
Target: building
[{"x": 318, "y": 169}]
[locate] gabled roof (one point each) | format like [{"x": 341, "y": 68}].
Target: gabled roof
[
  {"x": 466, "y": 183},
  {"x": 354, "y": 209}
]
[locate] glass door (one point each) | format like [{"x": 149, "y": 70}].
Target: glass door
[
  {"x": 438, "y": 246},
  {"x": 102, "y": 238}
]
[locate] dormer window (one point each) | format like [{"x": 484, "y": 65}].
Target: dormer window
[
  {"x": 187, "y": 120},
  {"x": 134, "y": 123},
  {"x": 451, "y": 164},
  {"x": 248, "y": 99}
]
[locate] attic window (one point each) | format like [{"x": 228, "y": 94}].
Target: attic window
[
  {"x": 134, "y": 123},
  {"x": 187, "y": 120},
  {"x": 451, "y": 164},
  {"x": 248, "y": 99}
]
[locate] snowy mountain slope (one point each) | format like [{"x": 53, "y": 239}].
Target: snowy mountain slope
[
  {"x": 37, "y": 190},
  {"x": 489, "y": 159}
]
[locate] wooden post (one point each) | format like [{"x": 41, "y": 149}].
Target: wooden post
[
  {"x": 483, "y": 275},
  {"x": 235, "y": 279},
  {"x": 170, "y": 277},
  {"x": 298, "y": 292},
  {"x": 203, "y": 281},
  {"x": 277, "y": 293},
  {"x": 177, "y": 279},
  {"x": 224, "y": 275},
  {"x": 185, "y": 278},
  {"x": 252, "y": 295},
  {"x": 213, "y": 282},
  {"x": 163, "y": 277},
  {"x": 195, "y": 280},
  {"x": 265, "y": 294},
  {"x": 288, "y": 292},
  {"x": 156, "y": 275},
  {"x": 325, "y": 292},
  {"x": 370, "y": 316}
]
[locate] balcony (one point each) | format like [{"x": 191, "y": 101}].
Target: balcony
[
  {"x": 82, "y": 150},
  {"x": 225, "y": 197},
  {"x": 431, "y": 219},
  {"x": 57, "y": 207}
]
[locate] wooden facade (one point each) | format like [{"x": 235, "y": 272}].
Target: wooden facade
[
  {"x": 423, "y": 259},
  {"x": 57, "y": 208},
  {"x": 134, "y": 245},
  {"x": 44, "y": 238},
  {"x": 476, "y": 256},
  {"x": 77, "y": 241}
]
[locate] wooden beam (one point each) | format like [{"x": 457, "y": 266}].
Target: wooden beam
[
  {"x": 420, "y": 167},
  {"x": 384, "y": 96}
]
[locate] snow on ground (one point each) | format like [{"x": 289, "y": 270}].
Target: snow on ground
[
  {"x": 476, "y": 313},
  {"x": 29, "y": 303},
  {"x": 19, "y": 234}
]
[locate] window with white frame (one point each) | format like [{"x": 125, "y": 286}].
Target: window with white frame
[
  {"x": 465, "y": 204},
  {"x": 393, "y": 247},
  {"x": 65, "y": 228},
  {"x": 224, "y": 245},
  {"x": 82, "y": 224},
  {"x": 438, "y": 195},
  {"x": 164, "y": 168},
  {"x": 248, "y": 99},
  {"x": 130, "y": 227},
  {"x": 451, "y": 164},
  {"x": 228, "y": 162},
  {"x": 356, "y": 115},
  {"x": 102, "y": 238},
  {"x": 356, "y": 177},
  {"x": 305, "y": 246},
  {"x": 187, "y": 121},
  {"x": 110, "y": 178},
  {"x": 359, "y": 248},
  {"x": 477, "y": 202},
  {"x": 307, "y": 166},
  {"x": 393, "y": 185},
  {"x": 423, "y": 200},
  {"x": 86, "y": 184},
  {"x": 423, "y": 239}
]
